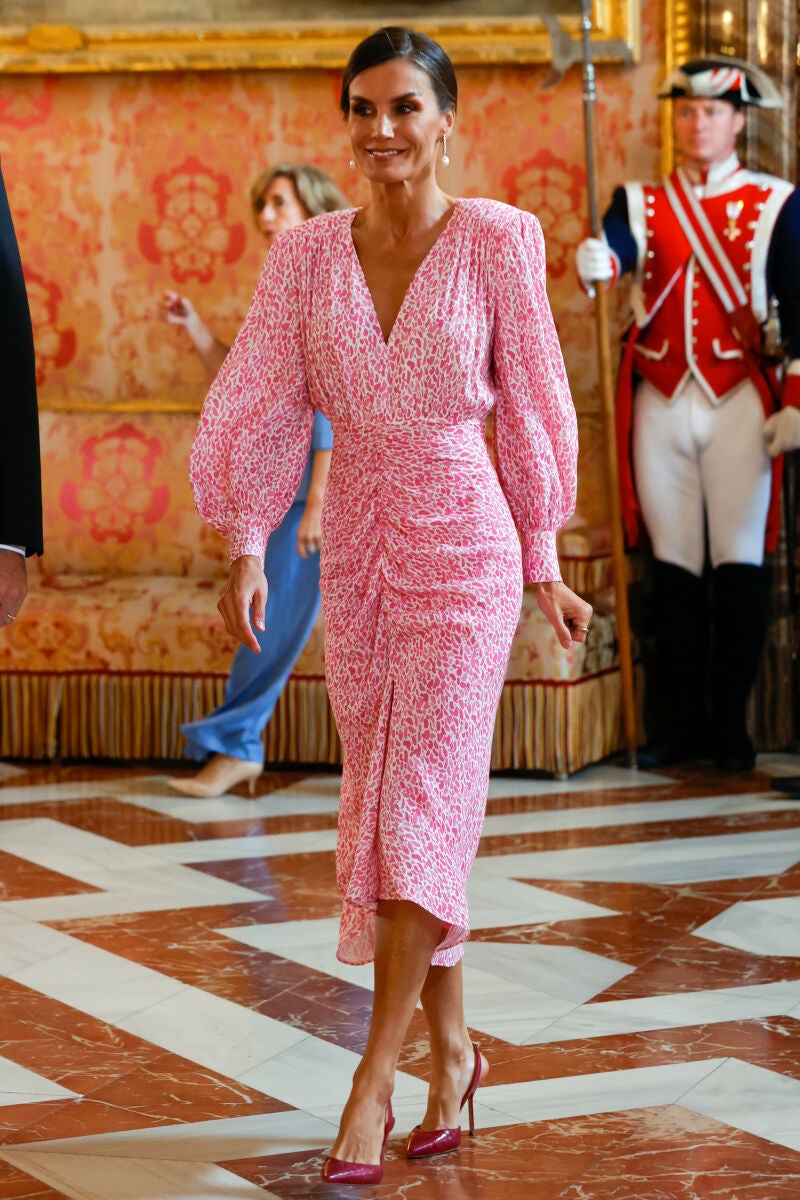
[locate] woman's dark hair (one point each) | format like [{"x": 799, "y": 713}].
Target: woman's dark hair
[{"x": 394, "y": 41}]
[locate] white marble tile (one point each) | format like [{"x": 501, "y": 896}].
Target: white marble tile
[
  {"x": 752, "y": 1098},
  {"x": 511, "y": 991},
  {"x": 580, "y": 1095},
  {"x": 96, "y": 982},
  {"x": 317, "y": 1075},
  {"x": 639, "y": 812},
  {"x": 677, "y": 1011},
  {"x": 552, "y": 820},
  {"x": 565, "y": 971},
  {"x": 313, "y": 796},
  {"x": 213, "y": 1032},
  {"x": 145, "y": 884},
  {"x": 224, "y": 1140},
  {"x": 512, "y": 1012},
  {"x": 312, "y": 943},
  {"x": 24, "y": 943},
  {"x": 596, "y": 778},
  {"x": 85, "y": 1177},
  {"x": 497, "y": 898},
  {"x": 259, "y": 846},
  {"x": 668, "y": 861},
  {"x": 768, "y": 927},
  {"x": 46, "y": 793},
  {"x": 81, "y": 855},
  {"x": 18, "y": 1085}
]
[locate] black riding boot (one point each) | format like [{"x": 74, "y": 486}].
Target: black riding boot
[
  {"x": 680, "y": 632},
  {"x": 741, "y": 609}
]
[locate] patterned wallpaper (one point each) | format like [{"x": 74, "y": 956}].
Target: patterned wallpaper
[{"x": 123, "y": 185}]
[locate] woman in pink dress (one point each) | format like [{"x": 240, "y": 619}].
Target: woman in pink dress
[{"x": 405, "y": 322}]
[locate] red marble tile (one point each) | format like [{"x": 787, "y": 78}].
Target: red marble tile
[
  {"x": 124, "y": 1082},
  {"x": 651, "y": 1154},
  {"x": 260, "y": 824},
  {"x": 652, "y": 932},
  {"x": 303, "y": 886},
  {"x": 105, "y": 816},
  {"x": 771, "y": 1043},
  {"x": 39, "y": 774},
  {"x": 21, "y": 879},
  {"x": 672, "y": 1154},
  {"x": 16, "y": 1185}
]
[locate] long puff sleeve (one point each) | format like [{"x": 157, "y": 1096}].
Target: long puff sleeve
[
  {"x": 253, "y": 440},
  {"x": 535, "y": 425}
]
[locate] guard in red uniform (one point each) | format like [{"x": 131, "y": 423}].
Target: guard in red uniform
[{"x": 703, "y": 413}]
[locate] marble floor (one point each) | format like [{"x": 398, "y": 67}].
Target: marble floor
[{"x": 174, "y": 1024}]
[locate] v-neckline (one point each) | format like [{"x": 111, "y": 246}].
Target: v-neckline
[{"x": 385, "y": 341}]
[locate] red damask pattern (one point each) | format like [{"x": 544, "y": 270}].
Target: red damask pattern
[
  {"x": 22, "y": 109},
  {"x": 55, "y": 347},
  {"x": 191, "y": 235},
  {"x": 556, "y": 187},
  {"x": 115, "y": 495}
]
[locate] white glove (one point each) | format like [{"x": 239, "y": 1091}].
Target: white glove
[
  {"x": 782, "y": 431},
  {"x": 594, "y": 263}
]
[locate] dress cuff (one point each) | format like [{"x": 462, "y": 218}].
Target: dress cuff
[
  {"x": 540, "y": 557},
  {"x": 246, "y": 538}
]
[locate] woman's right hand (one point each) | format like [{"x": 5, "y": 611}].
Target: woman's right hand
[
  {"x": 246, "y": 588},
  {"x": 177, "y": 309}
]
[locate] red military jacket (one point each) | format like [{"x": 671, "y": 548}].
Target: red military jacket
[{"x": 683, "y": 327}]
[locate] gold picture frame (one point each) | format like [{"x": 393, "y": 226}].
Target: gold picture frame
[{"x": 72, "y": 36}]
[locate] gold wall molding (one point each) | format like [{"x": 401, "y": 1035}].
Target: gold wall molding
[
  {"x": 44, "y": 48},
  {"x": 136, "y": 404}
]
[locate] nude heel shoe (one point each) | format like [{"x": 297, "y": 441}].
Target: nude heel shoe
[
  {"x": 338, "y": 1170},
  {"x": 422, "y": 1143},
  {"x": 218, "y": 776}
]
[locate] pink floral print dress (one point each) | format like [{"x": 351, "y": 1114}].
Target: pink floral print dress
[{"x": 422, "y": 567}]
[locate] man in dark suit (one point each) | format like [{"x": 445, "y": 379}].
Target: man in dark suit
[{"x": 20, "y": 471}]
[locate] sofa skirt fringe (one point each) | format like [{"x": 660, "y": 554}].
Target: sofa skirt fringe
[
  {"x": 541, "y": 726},
  {"x": 558, "y": 727}
]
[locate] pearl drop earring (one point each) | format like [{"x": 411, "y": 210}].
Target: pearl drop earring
[
  {"x": 352, "y": 164},
  {"x": 445, "y": 156}
]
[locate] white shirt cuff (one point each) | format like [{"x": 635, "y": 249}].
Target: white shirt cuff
[{"x": 19, "y": 549}]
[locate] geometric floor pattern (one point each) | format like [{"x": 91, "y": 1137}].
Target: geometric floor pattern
[{"x": 174, "y": 1024}]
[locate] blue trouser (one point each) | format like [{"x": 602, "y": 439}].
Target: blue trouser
[{"x": 256, "y": 680}]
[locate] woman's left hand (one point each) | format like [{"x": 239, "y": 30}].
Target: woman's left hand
[
  {"x": 309, "y": 531},
  {"x": 567, "y": 613}
]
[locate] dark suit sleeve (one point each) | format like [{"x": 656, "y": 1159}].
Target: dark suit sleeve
[
  {"x": 616, "y": 226},
  {"x": 783, "y": 271},
  {"x": 20, "y": 470}
]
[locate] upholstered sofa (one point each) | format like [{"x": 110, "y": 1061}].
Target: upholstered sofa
[{"x": 119, "y": 640}]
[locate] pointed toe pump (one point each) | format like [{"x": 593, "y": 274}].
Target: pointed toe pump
[
  {"x": 218, "y": 776},
  {"x": 338, "y": 1170},
  {"x": 422, "y": 1143}
]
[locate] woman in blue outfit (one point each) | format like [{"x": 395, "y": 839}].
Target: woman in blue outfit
[{"x": 281, "y": 198}]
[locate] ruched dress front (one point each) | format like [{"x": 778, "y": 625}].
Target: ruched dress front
[{"x": 422, "y": 567}]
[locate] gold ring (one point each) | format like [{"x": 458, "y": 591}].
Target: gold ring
[
  {"x": 11, "y": 616},
  {"x": 581, "y": 628}
]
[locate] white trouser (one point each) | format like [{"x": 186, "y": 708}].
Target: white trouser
[{"x": 701, "y": 466}]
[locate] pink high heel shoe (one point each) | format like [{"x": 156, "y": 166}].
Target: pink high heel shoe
[
  {"x": 422, "y": 1143},
  {"x": 338, "y": 1170}
]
